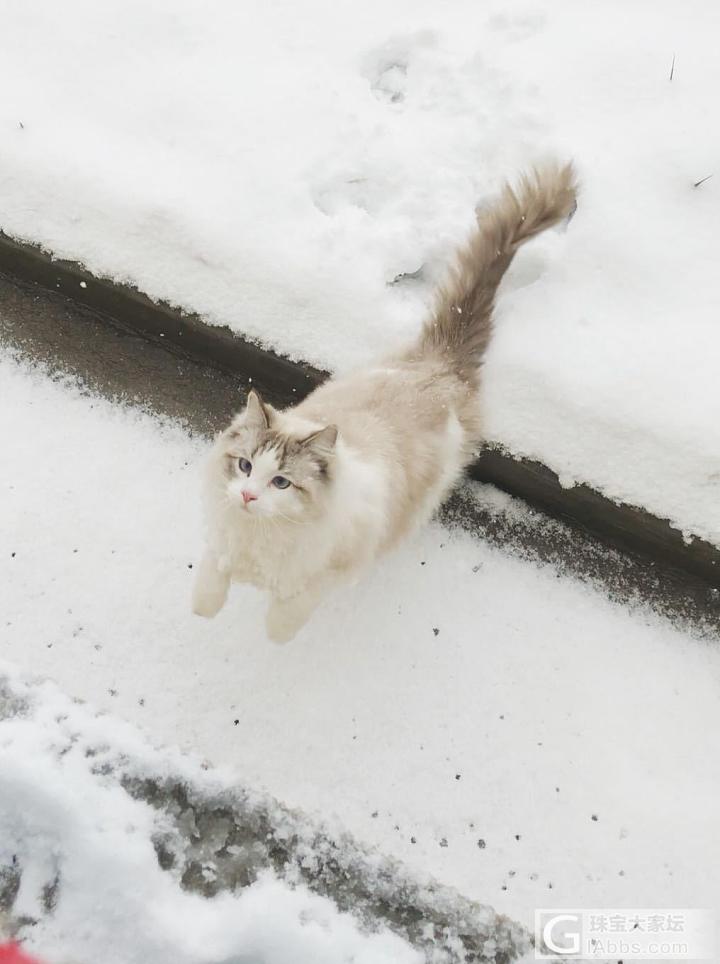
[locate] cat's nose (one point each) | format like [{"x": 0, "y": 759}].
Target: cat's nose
[{"x": 248, "y": 497}]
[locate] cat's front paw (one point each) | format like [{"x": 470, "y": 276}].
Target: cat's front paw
[
  {"x": 210, "y": 588},
  {"x": 282, "y": 622},
  {"x": 208, "y": 603},
  {"x": 207, "y": 606}
]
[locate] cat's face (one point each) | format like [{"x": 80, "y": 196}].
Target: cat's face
[{"x": 272, "y": 471}]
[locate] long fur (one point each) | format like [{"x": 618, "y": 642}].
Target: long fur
[
  {"x": 461, "y": 324},
  {"x": 370, "y": 456}
]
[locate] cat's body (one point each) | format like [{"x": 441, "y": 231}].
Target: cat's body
[{"x": 301, "y": 500}]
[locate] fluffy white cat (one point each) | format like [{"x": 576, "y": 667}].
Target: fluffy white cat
[{"x": 301, "y": 500}]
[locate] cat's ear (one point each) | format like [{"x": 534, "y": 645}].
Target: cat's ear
[
  {"x": 257, "y": 414},
  {"x": 323, "y": 441}
]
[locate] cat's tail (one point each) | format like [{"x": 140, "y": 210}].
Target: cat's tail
[{"x": 460, "y": 326}]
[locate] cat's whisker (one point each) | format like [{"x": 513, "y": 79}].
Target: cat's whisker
[{"x": 296, "y": 522}]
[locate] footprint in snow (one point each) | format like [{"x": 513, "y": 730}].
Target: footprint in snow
[{"x": 386, "y": 68}]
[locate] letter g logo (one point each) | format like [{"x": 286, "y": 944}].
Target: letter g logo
[{"x": 569, "y": 934}]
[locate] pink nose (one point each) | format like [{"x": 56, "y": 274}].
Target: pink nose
[{"x": 248, "y": 497}]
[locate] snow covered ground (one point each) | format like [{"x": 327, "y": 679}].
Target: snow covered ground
[
  {"x": 113, "y": 850},
  {"x": 508, "y": 731},
  {"x": 90, "y": 875},
  {"x": 277, "y": 166}
]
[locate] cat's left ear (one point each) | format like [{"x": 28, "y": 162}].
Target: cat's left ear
[{"x": 323, "y": 441}]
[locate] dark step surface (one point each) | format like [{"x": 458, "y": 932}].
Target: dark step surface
[
  {"x": 627, "y": 527},
  {"x": 117, "y": 362}
]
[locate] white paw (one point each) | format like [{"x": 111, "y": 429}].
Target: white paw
[
  {"x": 208, "y": 604},
  {"x": 282, "y": 623}
]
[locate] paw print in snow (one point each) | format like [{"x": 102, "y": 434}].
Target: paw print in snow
[
  {"x": 390, "y": 84},
  {"x": 386, "y": 68}
]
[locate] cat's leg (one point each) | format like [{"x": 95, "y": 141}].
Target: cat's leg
[
  {"x": 285, "y": 617},
  {"x": 211, "y": 586},
  {"x": 288, "y": 614}
]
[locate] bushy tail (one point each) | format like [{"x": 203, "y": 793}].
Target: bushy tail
[{"x": 461, "y": 323}]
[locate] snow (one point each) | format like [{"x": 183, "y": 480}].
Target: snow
[
  {"x": 537, "y": 706},
  {"x": 66, "y": 826},
  {"x": 277, "y": 167}
]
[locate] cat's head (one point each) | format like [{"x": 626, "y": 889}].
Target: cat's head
[{"x": 274, "y": 464}]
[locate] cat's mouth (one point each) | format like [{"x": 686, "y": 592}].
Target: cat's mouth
[{"x": 251, "y": 508}]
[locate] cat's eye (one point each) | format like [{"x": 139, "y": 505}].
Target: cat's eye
[
  {"x": 280, "y": 482},
  {"x": 245, "y": 466}
]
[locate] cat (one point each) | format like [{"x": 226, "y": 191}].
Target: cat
[{"x": 301, "y": 500}]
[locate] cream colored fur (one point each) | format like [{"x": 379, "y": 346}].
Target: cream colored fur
[{"x": 370, "y": 456}]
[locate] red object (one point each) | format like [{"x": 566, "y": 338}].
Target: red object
[{"x": 14, "y": 954}]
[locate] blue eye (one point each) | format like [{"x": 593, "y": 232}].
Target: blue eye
[
  {"x": 245, "y": 466},
  {"x": 280, "y": 482}
]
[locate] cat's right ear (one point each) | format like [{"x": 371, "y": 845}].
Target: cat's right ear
[{"x": 257, "y": 414}]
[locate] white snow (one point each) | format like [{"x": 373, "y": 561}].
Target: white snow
[
  {"x": 537, "y": 706},
  {"x": 61, "y": 821},
  {"x": 276, "y": 166}
]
